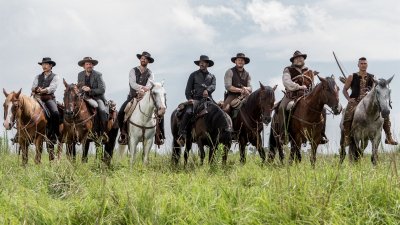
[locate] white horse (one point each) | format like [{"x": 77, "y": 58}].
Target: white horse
[
  {"x": 367, "y": 122},
  {"x": 142, "y": 122}
]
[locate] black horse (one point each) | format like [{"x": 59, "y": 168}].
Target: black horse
[{"x": 211, "y": 127}]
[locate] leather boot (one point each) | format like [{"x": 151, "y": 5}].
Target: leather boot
[
  {"x": 123, "y": 137},
  {"x": 386, "y": 127},
  {"x": 183, "y": 128}
]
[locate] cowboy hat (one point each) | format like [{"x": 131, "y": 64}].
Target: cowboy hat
[
  {"x": 240, "y": 55},
  {"x": 47, "y": 60},
  {"x": 206, "y": 59},
  {"x": 147, "y": 55},
  {"x": 88, "y": 59},
  {"x": 296, "y": 54}
]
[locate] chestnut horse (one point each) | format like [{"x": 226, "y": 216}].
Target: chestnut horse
[
  {"x": 306, "y": 121},
  {"x": 255, "y": 111},
  {"x": 78, "y": 125},
  {"x": 31, "y": 123}
]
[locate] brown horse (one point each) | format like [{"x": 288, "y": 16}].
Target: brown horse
[
  {"x": 31, "y": 123},
  {"x": 306, "y": 121},
  {"x": 78, "y": 125},
  {"x": 255, "y": 111}
]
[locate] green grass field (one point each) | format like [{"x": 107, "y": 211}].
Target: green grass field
[{"x": 62, "y": 193}]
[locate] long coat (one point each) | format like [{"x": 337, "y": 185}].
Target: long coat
[{"x": 97, "y": 85}]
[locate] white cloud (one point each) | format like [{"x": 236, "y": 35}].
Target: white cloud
[
  {"x": 352, "y": 28},
  {"x": 218, "y": 11},
  {"x": 272, "y": 15}
]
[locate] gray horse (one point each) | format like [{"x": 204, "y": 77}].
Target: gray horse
[{"x": 367, "y": 122}]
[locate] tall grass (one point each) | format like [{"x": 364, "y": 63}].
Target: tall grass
[{"x": 65, "y": 193}]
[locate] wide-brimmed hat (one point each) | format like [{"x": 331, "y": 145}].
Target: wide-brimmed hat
[
  {"x": 206, "y": 59},
  {"x": 88, "y": 59},
  {"x": 297, "y": 54},
  {"x": 147, "y": 55},
  {"x": 47, "y": 60},
  {"x": 241, "y": 55}
]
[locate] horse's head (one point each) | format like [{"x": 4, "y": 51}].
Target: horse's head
[
  {"x": 158, "y": 95},
  {"x": 382, "y": 94},
  {"x": 11, "y": 105},
  {"x": 266, "y": 100},
  {"x": 330, "y": 93},
  {"x": 72, "y": 100}
]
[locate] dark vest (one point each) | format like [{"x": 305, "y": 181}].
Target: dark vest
[
  {"x": 238, "y": 81},
  {"x": 44, "y": 83},
  {"x": 355, "y": 84},
  {"x": 141, "y": 79},
  {"x": 294, "y": 72}
]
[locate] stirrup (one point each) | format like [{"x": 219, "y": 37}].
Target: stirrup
[
  {"x": 181, "y": 140},
  {"x": 123, "y": 139}
]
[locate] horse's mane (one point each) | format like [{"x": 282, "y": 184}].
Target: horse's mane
[
  {"x": 331, "y": 85},
  {"x": 252, "y": 100},
  {"x": 27, "y": 103}
]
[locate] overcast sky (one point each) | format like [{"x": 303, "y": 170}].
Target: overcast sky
[{"x": 176, "y": 32}]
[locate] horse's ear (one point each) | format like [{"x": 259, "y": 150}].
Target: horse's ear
[
  {"x": 274, "y": 88},
  {"x": 321, "y": 78},
  {"x": 5, "y": 92},
  {"x": 261, "y": 85},
  {"x": 65, "y": 83},
  {"x": 18, "y": 93},
  {"x": 162, "y": 83},
  {"x": 390, "y": 79},
  {"x": 333, "y": 76}
]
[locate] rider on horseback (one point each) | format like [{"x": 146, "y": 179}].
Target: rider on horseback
[
  {"x": 237, "y": 81},
  {"x": 44, "y": 86},
  {"x": 138, "y": 84},
  {"x": 92, "y": 84},
  {"x": 360, "y": 83},
  {"x": 295, "y": 88},
  {"x": 201, "y": 84}
]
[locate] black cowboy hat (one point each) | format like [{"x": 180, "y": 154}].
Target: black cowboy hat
[
  {"x": 297, "y": 53},
  {"x": 206, "y": 59},
  {"x": 47, "y": 60},
  {"x": 241, "y": 55},
  {"x": 88, "y": 59},
  {"x": 147, "y": 55}
]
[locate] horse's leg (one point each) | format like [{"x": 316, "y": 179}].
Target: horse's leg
[
  {"x": 24, "y": 149},
  {"x": 133, "y": 142},
  {"x": 202, "y": 152},
  {"x": 176, "y": 152},
  {"x": 109, "y": 146},
  {"x": 342, "y": 150},
  {"x": 374, "y": 156},
  {"x": 313, "y": 158},
  {"x": 68, "y": 151},
  {"x": 272, "y": 145},
  {"x": 242, "y": 149},
  {"x": 225, "y": 154},
  {"x": 85, "y": 151},
  {"x": 38, "y": 148},
  {"x": 260, "y": 148},
  {"x": 352, "y": 151},
  {"x": 188, "y": 146},
  {"x": 148, "y": 143},
  {"x": 211, "y": 154}
]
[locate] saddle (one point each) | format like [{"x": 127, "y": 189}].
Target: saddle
[
  {"x": 199, "y": 108},
  {"x": 129, "y": 108},
  {"x": 44, "y": 107}
]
